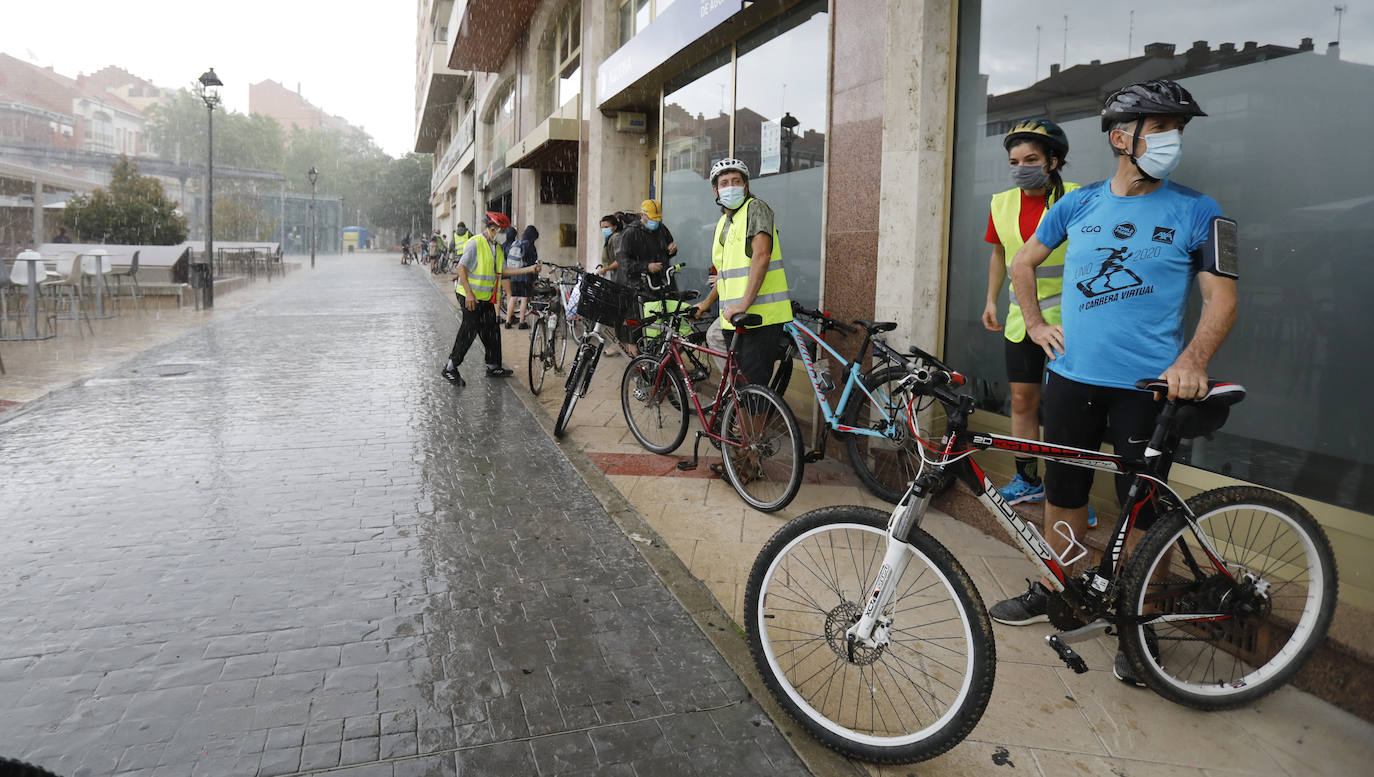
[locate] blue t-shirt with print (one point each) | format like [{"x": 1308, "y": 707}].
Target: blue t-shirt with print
[{"x": 1127, "y": 274}]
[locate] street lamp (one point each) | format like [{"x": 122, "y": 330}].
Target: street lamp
[
  {"x": 789, "y": 134},
  {"x": 313, "y": 173},
  {"x": 209, "y": 92}
]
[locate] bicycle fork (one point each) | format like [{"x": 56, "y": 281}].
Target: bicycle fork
[{"x": 874, "y": 627}]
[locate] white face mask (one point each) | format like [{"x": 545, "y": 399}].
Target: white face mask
[
  {"x": 731, "y": 196},
  {"x": 1163, "y": 152}
]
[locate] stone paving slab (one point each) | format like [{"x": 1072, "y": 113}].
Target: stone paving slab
[{"x": 301, "y": 552}]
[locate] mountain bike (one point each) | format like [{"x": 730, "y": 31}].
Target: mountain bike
[
  {"x": 871, "y": 635},
  {"x": 871, "y": 410},
  {"x": 760, "y": 442}
]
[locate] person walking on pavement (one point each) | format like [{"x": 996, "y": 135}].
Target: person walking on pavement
[
  {"x": 522, "y": 261},
  {"x": 477, "y": 287},
  {"x": 1167, "y": 235},
  {"x": 1037, "y": 150}
]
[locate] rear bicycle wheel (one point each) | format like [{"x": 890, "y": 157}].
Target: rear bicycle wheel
[
  {"x": 655, "y": 404},
  {"x": 764, "y": 463},
  {"x": 908, "y": 700},
  {"x": 886, "y": 465},
  {"x": 540, "y": 355},
  {"x": 581, "y": 366},
  {"x": 560, "y": 341},
  {"x": 1240, "y": 634}
]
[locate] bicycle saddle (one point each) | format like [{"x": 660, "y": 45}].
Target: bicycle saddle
[
  {"x": 746, "y": 320},
  {"x": 1202, "y": 416},
  {"x": 876, "y": 327}
]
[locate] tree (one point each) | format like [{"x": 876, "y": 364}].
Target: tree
[
  {"x": 402, "y": 196},
  {"x": 134, "y": 210},
  {"x": 240, "y": 217}
]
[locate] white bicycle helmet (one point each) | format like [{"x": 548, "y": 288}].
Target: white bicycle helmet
[{"x": 727, "y": 164}]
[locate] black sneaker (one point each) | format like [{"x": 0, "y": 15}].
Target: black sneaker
[
  {"x": 522, "y": 325},
  {"x": 1029, "y": 607},
  {"x": 452, "y": 376},
  {"x": 1121, "y": 668},
  {"x": 499, "y": 372}
]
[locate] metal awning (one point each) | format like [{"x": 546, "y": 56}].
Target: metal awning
[
  {"x": 552, "y": 146},
  {"x": 486, "y": 33}
]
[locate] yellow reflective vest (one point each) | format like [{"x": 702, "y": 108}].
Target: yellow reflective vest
[
  {"x": 483, "y": 279},
  {"x": 732, "y": 262},
  {"x": 1049, "y": 276}
]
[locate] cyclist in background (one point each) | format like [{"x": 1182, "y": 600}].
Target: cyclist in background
[
  {"x": 1113, "y": 335},
  {"x": 1037, "y": 150}
]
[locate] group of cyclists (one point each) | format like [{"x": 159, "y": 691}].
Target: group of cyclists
[{"x": 433, "y": 250}]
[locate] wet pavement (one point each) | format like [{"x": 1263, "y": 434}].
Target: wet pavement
[{"x": 280, "y": 544}]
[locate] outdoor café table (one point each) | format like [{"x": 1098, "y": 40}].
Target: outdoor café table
[
  {"x": 35, "y": 262},
  {"x": 102, "y": 264}
]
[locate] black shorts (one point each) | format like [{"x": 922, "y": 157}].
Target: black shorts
[
  {"x": 1084, "y": 416},
  {"x": 757, "y": 351},
  {"x": 1025, "y": 361}
]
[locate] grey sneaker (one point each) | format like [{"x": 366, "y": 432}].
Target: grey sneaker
[{"x": 1030, "y": 607}]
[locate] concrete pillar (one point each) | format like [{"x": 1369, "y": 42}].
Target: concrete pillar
[
  {"x": 917, "y": 156},
  {"x": 38, "y": 237},
  {"x": 613, "y": 167}
]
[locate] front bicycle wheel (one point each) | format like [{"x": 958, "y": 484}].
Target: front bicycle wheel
[
  {"x": 560, "y": 341},
  {"x": 1231, "y": 636},
  {"x": 655, "y": 404},
  {"x": 540, "y": 354},
  {"x": 887, "y": 464},
  {"x": 763, "y": 461},
  {"x": 581, "y": 366},
  {"x": 916, "y": 694}
]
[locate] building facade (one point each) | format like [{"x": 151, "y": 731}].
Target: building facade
[
  {"x": 874, "y": 130},
  {"x": 291, "y": 109}
]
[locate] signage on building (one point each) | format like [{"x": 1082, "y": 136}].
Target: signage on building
[
  {"x": 678, "y": 26},
  {"x": 770, "y": 147}
]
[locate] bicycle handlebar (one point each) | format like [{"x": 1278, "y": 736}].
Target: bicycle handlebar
[{"x": 826, "y": 321}]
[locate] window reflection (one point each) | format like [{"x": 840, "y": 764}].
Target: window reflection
[{"x": 1276, "y": 153}]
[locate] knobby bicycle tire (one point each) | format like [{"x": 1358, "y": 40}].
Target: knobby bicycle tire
[
  {"x": 582, "y": 364},
  {"x": 885, "y": 465},
  {"x": 907, "y": 701},
  {"x": 654, "y": 404},
  {"x": 1277, "y": 600},
  {"x": 560, "y": 339},
  {"x": 766, "y": 470},
  {"x": 540, "y": 355}
]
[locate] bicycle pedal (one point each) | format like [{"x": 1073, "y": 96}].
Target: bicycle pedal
[
  {"x": 1067, "y": 654},
  {"x": 813, "y": 456},
  {"x": 686, "y": 466}
]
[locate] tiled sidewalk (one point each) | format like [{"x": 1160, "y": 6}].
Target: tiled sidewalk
[{"x": 1043, "y": 719}]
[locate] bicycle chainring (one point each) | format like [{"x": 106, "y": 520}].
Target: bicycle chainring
[{"x": 1062, "y": 614}]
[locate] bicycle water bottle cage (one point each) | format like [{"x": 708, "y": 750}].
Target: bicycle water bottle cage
[
  {"x": 1066, "y": 531},
  {"x": 1204, "y": 416}
]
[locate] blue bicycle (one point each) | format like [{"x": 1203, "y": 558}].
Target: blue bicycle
[{"x": 872, "y": 406}]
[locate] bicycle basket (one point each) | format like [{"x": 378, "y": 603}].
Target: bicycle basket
[{"x": 603, "y": 301}]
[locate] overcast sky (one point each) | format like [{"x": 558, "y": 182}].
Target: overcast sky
[
  {"x": 1098, "y": 30},
  {"x": 352, "y": 58}
]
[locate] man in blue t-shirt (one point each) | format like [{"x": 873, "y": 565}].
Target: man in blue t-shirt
[{"x": 1136, "y": 242}]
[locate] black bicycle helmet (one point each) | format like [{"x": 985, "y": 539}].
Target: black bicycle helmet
[
  {"x": 1038, "y": 129},
  {"x": 1159, "y": 97}
]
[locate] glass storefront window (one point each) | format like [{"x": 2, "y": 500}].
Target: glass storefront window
[
  {"x": 696, "y": 132},
  {"x": 1276, "y": 152},
  {"x": 780, "y": 113},
  {"x": 781, "y": 77}
]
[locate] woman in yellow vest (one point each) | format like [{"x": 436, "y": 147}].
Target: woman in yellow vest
[
  {"x": 477, "y": 287},
  {"x": 1036, "y": 150}
]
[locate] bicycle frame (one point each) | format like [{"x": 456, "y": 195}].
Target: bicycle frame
[
  {"x": 727, "y": 383},
  {"x": 853, "y": 378},
  {"x": 955, "y": 454}
]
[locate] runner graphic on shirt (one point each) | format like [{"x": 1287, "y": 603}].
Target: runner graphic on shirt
[{"x": 1113, "y": 275}]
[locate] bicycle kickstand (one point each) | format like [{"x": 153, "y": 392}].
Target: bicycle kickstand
[{"x": 688, "y": 466}]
